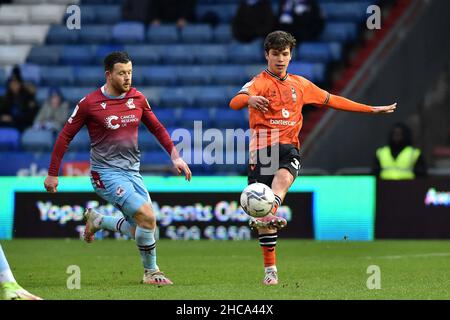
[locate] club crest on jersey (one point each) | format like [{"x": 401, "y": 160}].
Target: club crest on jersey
[
  {"x": 294, "y": 95},
  {"x": 120, "y": 191},
  {"x": 130, "y": 104},
  {"x": 103, "y": 104}
]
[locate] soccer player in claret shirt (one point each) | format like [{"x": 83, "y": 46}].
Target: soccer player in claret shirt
[
  {"x": 275, "y": 99},
  {"x": 112, "y": 114}
]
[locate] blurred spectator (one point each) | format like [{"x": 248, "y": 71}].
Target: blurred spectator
[
  {"x": 302, "y": 18},
  {"x": 254, "y": 19},
  {"x": 18, "y": 107},
  {"x": 136, "y": 10},
  {"x": 399, "y": 160},
  {"x": 172, "y": 11},
  {"x": 54, "y": 112}
]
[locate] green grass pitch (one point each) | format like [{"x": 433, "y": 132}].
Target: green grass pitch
[{"x": 227, "y": 270}]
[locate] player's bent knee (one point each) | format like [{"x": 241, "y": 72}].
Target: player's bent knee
[{"x": 145, "y": 217}]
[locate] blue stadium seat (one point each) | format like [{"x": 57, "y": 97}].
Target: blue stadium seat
[
  {"x": 144, "y": 54},
  {"x": 163, "y": 34},
  {"x": 177, "y": 97},
  {"x": 158, "y": 75},
  {"x": 246, "y": 53},
  {"x": 188, "y": 116},
  {"x": 350, "y": 11},
  {"x": 9, "y": 139},
  {"x": 95, "y": 34},
  {"x": 147, "y": 141},
  {"x": 75, "y": 94},
  {"x": 228, "y": 118},
  {"x": 211, "y": 97},
  {"x": 89, "y": 76},
  {"x": 37, "y": 140},
  {"x": 59, "y": 34},
  {"x": 57, "y": 76},
  {"x": 315, "y": 52},
  {"x": 193, "y": 75},
  {"x": 211, "y": 54},
  {"x": 168, "y": 117},
  {"x": 88, "y": 14},
  {"x": 228, "y": 75},
  {"x": 76, "y": 54},
  {"x": 45, "y": 55},
  {"x": 224, "y": 12},
  {"x": 103, "y": 50},
  {"x": 339, "y": 32},
  {"x": 197, "y": 33},
  {"x": 179, "y": 54},
  {"x": 30, "y": 72},
  {"x": 81, "y": 141},
  {"x": 107, "y": 14},
  {"x": 152, "y": 94},
  {"x": 2, "y": 76},
  {"x": 129, "y": 32},
  {"x": 314, "y": 72},
  {"x": 222, "y": 33}
]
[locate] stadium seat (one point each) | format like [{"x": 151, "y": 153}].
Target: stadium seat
[
  {"x": 81, "y": 141},
  {"x": 89, "y": 76},
  {"x": 163, "y": 34},
  {"x": 144, "y": 54},
  {"x": 30, "y": 73},
  {"x": 12, "y": 14},
  {"x": 158, "y": 75},
  {"x": 339, "y": 32},
  {"x": 57, "y": 76},
  {"x": 147, "y": 141},
  {"x": 107, "y": 14},
  {"x": 193, "y": 75},
  {"x": 152, "y": 94},
  {"x": 46, "y": 13},
  {"x": 3, "y": 76},
  {"x": 345, "y": 12},
  {"x": 196, "y": 33},
  {"x": 179, "y": 54},
  {"x": 9, "y": 139},
  {"x": 46, "y": 55},
  {"x": 211, "y": 54},
  {"x": 315, "y": 52},
  {"x": 211, "y": 97},
  {"x": 177, "y": 97},
  {"x": 88, "y": 14},
  {"x": 101, "y": 51},
  {"x": 128, "y": 32},
  {"x": 29, "y": 34},
  {"x": 228, "y": 75},
  {"x": 245, "y": 53},
  {"x": 37, "y": 140},
  {"x": 95, "y": 34},
  {"x": 75, "y": 94},
  {"x": 222, "y": 33},
  {"x": 76, "y": 54},
  {"x": 13, "y": 54},
  {"x": 5, "y": 34},
  {"x": 224, "y": 12},
  {"x": 228, "y": 118},
  {"x": 188, "y": 116},
  {"x": 59, "y": 34},
  {"x": 168, "y": 117},
  {"x": 311, "y": 71}
]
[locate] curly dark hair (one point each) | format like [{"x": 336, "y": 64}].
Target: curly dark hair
[
  {"x": 279, "y": 40},
  {"x": 115, "y": 57}
]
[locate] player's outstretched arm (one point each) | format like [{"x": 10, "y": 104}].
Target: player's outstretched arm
[
  {"x": 341, "y": 103},
  {"x": 384, "y": 109}
]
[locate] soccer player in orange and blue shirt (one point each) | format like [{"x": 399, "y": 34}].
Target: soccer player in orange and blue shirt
[{"x": 275, "y": 99}]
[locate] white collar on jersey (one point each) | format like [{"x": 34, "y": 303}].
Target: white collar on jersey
[{"x": 103, "y": 89}]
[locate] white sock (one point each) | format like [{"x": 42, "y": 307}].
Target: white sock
[
  {"x": 6, "y": 276},
  {"x": 271, "y": 268}
]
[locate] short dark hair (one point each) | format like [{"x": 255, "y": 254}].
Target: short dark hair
[
  {"x": 115, "y": 57},
  {"x": 279, "y": 40}
]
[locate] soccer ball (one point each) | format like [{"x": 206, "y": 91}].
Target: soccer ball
[{"x": 257, "y": 200}]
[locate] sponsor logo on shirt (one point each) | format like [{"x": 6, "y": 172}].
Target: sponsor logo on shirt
[
  {"x": 282, "y": 122},
  {"x": 109, "y": 122},
  {"x": 114, "y": 122}
]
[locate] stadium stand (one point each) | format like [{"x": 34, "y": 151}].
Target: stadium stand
[{"x": 187, "y": 74}]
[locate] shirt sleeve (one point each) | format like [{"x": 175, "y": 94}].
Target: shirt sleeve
[
  {"x": 251, "y": 88},
  {"x": 312, "y": 94},
  {"x": 76, "y": 121},
  {"x": 156, "y": 128}
]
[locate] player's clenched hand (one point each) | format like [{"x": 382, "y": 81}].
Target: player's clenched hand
[
  {"x": 384, "y": 109},
  {"x": 181, "y": 166},
  {"x": 259, "y": 102},
  {"x": 51, "y": 183}
]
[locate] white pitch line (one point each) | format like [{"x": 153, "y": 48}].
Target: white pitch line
[{"x": 422, "y": 255}]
